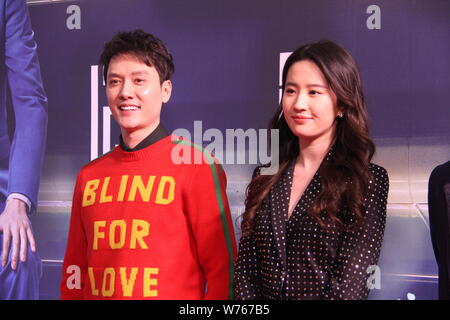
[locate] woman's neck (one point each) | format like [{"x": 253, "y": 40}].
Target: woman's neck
[{"x": 313, "y": 151}]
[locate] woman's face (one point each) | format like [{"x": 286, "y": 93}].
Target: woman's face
[{"x": 309, "y": 104}]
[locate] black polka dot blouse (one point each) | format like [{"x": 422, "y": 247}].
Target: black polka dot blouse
[{"x": 296, "y": 259}]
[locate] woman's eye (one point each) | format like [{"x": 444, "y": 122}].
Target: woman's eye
[
  {"x": 139, "y": 80},
  {"x": 113, "y": 81},
  {"x": 289, "y": 91},
  {"x": 313, "y": 92}
]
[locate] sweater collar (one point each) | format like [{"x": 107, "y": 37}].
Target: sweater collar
[{"x": 158, "y": 134}]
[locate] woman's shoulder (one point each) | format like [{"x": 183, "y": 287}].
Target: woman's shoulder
[
  {"x": 378, "y": 171},
  {"x": 380, "y": 179}
]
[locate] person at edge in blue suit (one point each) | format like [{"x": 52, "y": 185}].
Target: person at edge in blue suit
[{"x": 21, "y": 151}]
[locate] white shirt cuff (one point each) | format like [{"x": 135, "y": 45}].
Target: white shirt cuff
[{"x": 22, "y": 197}]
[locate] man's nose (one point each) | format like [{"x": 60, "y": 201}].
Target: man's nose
[{"x": 126, "y": 91}]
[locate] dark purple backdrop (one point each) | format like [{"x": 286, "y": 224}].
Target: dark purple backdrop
[{"x": 226, "y": 57}]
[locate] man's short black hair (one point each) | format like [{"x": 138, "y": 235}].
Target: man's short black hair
[{"x": 144, "y": 46}]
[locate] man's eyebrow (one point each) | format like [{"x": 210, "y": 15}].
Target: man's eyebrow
[
  {"x": 115, "y": 75},
  {"x": 134, "y": 73}
]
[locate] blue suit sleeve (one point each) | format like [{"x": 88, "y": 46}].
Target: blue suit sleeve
[{"x": 28, "y": 99}]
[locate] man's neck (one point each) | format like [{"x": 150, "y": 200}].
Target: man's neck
[{"x": 133, "y": 138}]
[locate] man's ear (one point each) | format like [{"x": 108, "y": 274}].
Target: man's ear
[{"x": 166, "y": 89}]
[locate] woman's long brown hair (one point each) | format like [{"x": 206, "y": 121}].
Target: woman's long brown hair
[{"x": 345, "y": 177}]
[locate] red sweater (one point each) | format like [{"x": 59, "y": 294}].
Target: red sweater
[{"x": 143, "y": 227}]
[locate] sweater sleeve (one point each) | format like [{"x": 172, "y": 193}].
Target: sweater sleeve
[
  {"x": 75, "y": 261},
  {"x": 210, "y": 219},
  {"x": 359, "y": 251}
]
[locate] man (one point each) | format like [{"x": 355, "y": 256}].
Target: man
[
  {"x": 143, "y": 226},
  {"x": 21, "y": 160},
  {"x": 439, "y": 213}
]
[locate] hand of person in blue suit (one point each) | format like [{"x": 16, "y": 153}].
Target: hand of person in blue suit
[{"x": 16, "y": 228}]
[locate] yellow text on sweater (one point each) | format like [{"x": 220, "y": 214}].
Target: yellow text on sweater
[
  {"x": 121, "y": 282},
  {"x": 130, "y": 188},
  {"x": 115, "y": 234}
]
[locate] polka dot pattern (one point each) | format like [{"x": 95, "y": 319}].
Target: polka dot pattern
[{"x": 296, "y": 258}]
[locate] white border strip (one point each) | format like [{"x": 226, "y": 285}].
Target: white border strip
[{"x": 94, "y": 112}]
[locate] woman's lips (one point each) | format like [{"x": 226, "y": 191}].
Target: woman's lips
[{"x": 301, "y": 119}]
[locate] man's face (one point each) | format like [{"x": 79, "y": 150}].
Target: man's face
[{"x": 135, "y": 95}]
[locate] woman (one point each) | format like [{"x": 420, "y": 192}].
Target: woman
[{"x": 312, "y": 230}]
